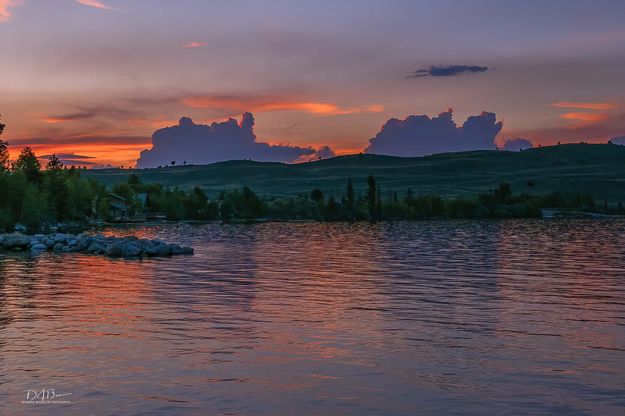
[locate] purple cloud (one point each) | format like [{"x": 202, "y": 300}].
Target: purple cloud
[
  {"x": 202, "y": 144},
  {"x": 447, "y": 71},
  {"x": 421, "y": 135}
]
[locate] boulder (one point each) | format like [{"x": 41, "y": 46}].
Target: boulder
[
  {"x": 176, "y": 250},
  {"x": 114, "y": 250},
  {"x": 20, "y": 228},
  {"x": 164, "y": 250},
  {"x": 149, "y": 249},
  {"x": 15, "y": 241},
  {"x": 60, "y": 238},
  {"x": 123, "y": 249},
  {"x": 96, "y": 248},
  {"x": 83, "y": 242},
  {"x": 131, "y": 250},
  {"x": 128, "y": 246},
  {"x": 39, "y": 247}
]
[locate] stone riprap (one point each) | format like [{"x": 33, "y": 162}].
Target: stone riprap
[{"x": 110, "y": 246}]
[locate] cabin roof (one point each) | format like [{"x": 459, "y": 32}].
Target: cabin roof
[
  {"x": 143, "y": 198},
  {"x": 121, "y": 198}
]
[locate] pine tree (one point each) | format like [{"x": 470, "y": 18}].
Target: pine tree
[
  {"x": 27, "y": 162},
  {"x": 371, "y": 197},
  {"x": 350, "y": 198},
  {"x": 378, "y": 204}
]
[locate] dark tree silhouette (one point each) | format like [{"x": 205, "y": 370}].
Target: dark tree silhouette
[
  {"x": 27, "y": 162},
  {"x": 134, "y": 180},
  {"x": 503, "y": 192},
  {"x": 371, "y": 197},
  {"x": 350, "y": 198},
  {"x": 56, "y": 186},
  {"x": 4, "y": 151},
  {"x": 316, "y": 195},
  {"x": 54, "y": 164},
  {"x": 378, "y": 203}
]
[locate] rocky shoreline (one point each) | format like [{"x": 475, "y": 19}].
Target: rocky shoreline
[{"x": 109, "y": 246}]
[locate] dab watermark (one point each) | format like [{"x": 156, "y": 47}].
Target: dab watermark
[{"x": 46, "y": 396}]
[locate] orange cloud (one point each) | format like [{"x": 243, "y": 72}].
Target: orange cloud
[
  {"x": 264, "y": 104},
  {"x": 194, "y": 45},
  {"x": 375, "y": 108},
  {"x": 4, "y": 8},
  {"x": 98, "y": 153},
  {"x": 585, "y": 106},
  {"x": 96, "y": 4},
  {"x": 585, "y": 117},
  {"x": 53, "y": 120},
  {"x": 67, "y": 117}
]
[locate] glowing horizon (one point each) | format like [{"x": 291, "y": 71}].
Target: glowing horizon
[{"x": 81, "y": 87}]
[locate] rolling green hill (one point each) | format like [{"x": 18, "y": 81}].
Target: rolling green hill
[{"x": 590, "y": 168}]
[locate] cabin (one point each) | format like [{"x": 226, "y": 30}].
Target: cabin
[
  {"x": 118, "y": 208},
  {"x": 142, "y": 207}
]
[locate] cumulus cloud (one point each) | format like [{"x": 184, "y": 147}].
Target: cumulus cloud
[
  {"x": 229, "y": 140},
  {"x": 618, "y": 140},
  {"x": 447, "y": 71},
  {"x": 517, "y": 144},
  {"x": 325, "y": 152},
  {"x": 421, "y": 135}
]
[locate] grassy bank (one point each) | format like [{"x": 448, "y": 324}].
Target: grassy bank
[{"x": 597, "y": 170}]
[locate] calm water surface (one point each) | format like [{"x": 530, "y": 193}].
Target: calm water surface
[{"x": 512, "y": 317}]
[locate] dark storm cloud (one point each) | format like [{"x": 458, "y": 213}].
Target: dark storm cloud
[
  {"x": 447, "y": 71},
  {"x": 229, "y": 140},
  {"x": 421, "y": 135}
]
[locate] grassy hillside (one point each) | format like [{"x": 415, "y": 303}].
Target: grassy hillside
[{"x": 595, "y": 169}]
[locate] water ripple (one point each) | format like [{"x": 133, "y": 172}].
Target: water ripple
[{"x": 458, "y": 317}]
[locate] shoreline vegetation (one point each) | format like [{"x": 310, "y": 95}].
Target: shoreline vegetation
[{"x": 40, "y": 198}]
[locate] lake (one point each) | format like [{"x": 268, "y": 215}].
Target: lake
[{"x": 432, "y": 317}]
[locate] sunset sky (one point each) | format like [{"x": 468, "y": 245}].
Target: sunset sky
[{"x": 97, "y": 78}]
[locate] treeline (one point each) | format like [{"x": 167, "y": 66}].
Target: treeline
[
  {"x": 371, "y": 205},
  {"x": 34, "y": 195},
  {"x": 376, "y": 205}
]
